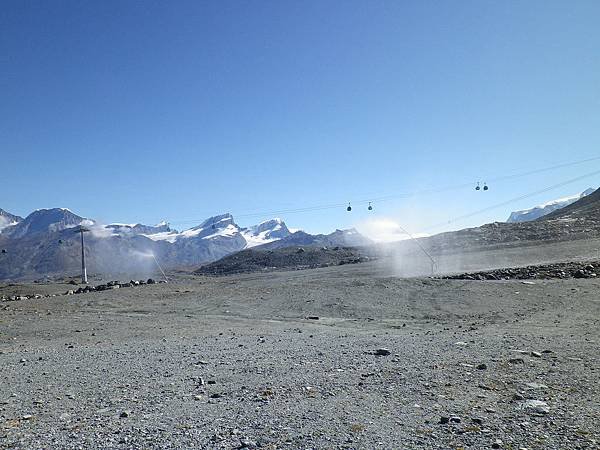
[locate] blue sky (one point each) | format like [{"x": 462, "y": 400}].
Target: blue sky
[{"x": 143, "y": 111}]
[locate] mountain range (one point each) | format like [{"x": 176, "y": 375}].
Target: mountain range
[{"x": 45, "y": 243}]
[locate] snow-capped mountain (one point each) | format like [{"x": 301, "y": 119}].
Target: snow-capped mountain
[
  {"x": 224, "y": 227},
  {"x": 342, "y": 238},
  {"x": 536, "y": 212},
  {"x": 44, "y": 221},
  {"x": 138, "y": 228},
  {"x": 7, "y": 219},
  {"x": 265, "y": 232},
  {"x": 44, "y": 243}
]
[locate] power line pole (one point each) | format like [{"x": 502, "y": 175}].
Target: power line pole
[
  {"x": 84, "y": 278},
  {"x": 4, "y": 253}
]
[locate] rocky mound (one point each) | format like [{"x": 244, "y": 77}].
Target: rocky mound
[
  {"x": 290, "y": 258},
  {"x": 538, "y": 272}
]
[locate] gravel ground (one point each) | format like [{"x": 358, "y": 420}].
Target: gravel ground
[{"x": 300, "y": 360}]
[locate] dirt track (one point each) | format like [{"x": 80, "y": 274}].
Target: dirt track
[{"x": 73, "y": 365}]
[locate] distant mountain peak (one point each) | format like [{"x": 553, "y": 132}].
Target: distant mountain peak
[
  {"x": 46, "y": 220},
  {"x": 265, "y": 232},
  {"x": 138, "y": 228},
  {"x": 7, "y": 219}
]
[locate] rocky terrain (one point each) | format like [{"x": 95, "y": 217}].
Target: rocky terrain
[
  {"x": 289, "y": 258},
  {"x": 344, "y": 357},
  {"x": 499, "y": 350},
  {"x": 536, "y": 272}
]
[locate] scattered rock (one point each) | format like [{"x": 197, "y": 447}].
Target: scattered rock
[
  {"x": 536, "y": 407},
  {"x": 382, "y": 352},
  {"x": 247, "y": 443}
]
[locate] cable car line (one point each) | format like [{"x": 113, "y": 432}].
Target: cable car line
[
  {"x": 513, "y": 200},
  {"x": 381, "y": 199}
]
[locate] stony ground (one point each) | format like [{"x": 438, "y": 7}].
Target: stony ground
[
  {"x": 587, "y": 269},
  {"x": 300, "y": 360}
]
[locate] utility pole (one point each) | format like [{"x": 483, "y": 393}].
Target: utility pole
[
  {"x": 4, "y": 253},
  {"x": 82, "y": 230}
]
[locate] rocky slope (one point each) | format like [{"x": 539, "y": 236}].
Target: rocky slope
[
  {"x": 580, "y": 220},
  {"x": 536, "y": 212},
  {"x": 288, "y": 258},
  {"x": 585, "y": 210}
]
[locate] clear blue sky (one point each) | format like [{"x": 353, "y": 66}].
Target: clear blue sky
[{"x": 141, "y": 111}]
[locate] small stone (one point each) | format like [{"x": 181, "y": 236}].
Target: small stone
[
  {"x": 125, "y": 413},
  {"x": 382, "y": 352},
  {"x": 536, "y": 407},
  {"x": 247, "y": 443},
  {"x": 477, "y": 420},
  {"x": 444, "y": 420},
  {"x": 536, "y": 354},
  {"x": 455, "y": 419},
  {"x": 536, "y": 386},
  {"x": 481, "y": 366},
  {"x": 27, "y": 417},
  {"x": 197, "y": 397}
]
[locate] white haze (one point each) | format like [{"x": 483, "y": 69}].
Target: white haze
[
  {"x": 402, "y": 256},
  {"x": 385, "y": 229}
]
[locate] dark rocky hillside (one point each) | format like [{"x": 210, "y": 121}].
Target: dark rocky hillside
[{"x": 291, "y": 258}]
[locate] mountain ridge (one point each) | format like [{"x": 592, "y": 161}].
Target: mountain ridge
[{"x": 44, "y": 243}]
